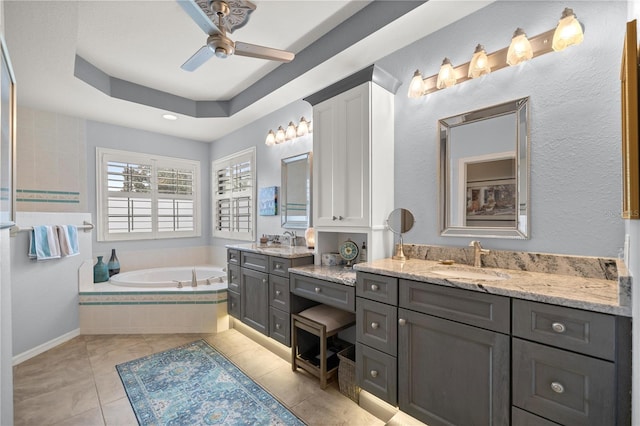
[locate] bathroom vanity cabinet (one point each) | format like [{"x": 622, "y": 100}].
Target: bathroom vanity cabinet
[
  {"x": 258, "y": 291},
  {"x": 453, "y": 356}
]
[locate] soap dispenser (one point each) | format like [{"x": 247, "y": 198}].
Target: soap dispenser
[{"x": 363, "y": 253}]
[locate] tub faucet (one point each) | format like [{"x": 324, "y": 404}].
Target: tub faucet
[
  {"x": 292, "y": 237},
  {"x": 194, "y": 279},
  {"x": 478, "y": 251}
]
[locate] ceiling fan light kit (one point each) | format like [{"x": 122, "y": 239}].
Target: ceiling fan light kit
[{"x": 229, "y": 14}]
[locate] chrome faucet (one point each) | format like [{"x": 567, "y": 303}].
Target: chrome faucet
[
  {"x": 292, "y": 237},
  {"x": 478, "y": 251}
]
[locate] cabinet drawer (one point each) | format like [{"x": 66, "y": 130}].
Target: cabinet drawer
[
  {"x": 233, "y": 304},
  {"x": 524, "y": 418},
  {"x": 562, "y": 386},
  {"x": 580, "y": 331},
  {"x": 376, "y": 372},
  {"x": 332, "y": 294},
  {"x": 279, "y": 266},
  {"x": 279, "y": 293},
  {"x": 377, "y": 287},
  {"x": 469, "y": 307},
  {"x": 233, "y": 277},
  {"x": 255, "y": 261},
  {"x": 377, "y": 325},
  {"x": 233, "y": 256},
  {"x": 280, "y": 326}
]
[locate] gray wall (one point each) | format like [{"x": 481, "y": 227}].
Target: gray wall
[
  {"x": 267, "y": 158},
  {"x": 124, "y": 138},
  {"x": 575, "y": 124}
]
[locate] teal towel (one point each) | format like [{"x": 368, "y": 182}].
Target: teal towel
[{"x": 44, "y": 243}]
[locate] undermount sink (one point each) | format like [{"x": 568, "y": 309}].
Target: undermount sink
[{"x": 472, "y": 274}]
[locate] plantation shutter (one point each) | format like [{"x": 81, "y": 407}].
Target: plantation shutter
[
  {"x": 129, "y": 203},
  {"x": 234, "y": 196}
]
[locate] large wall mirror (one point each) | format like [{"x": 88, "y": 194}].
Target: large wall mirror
[
  {"x": 295, "y": 196},
  {"x": 484, "y": 172}
]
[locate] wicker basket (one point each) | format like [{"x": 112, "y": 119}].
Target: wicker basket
[{"x": 347, "y": 374}]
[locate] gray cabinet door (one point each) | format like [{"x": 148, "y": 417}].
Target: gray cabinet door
[
  {"x": 337, "y": 295},
  {"x": 377, "y": 372},
  {"x": 279, "y": 292},
  {"x": 562, "y": 386},
  {"x": 280, "y": 326},
  {"x": 233, "y": 304},
  {"x": 451, "y": 373},
  {"x": 377, "y": 325},
  {"x": 377, "y": 287},
  {"x": 233, "y": 277},
  {"x": 254, "y": 299}
]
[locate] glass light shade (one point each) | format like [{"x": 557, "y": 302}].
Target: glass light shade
[
  {"x": 568, "y": 32},
  {"x": 291, "y": 131},
  {"x": 416, "y": 87},
  {"x": 310, "y": 237},
  {"x": 303, "y": 127},
  {"x": 271, "y": 138},
  {"x": 479, "y": 63},
  {"x": 446, "y": 76},
  {"x": 520, "y": 49},
  {"x": 280, "y": 136}
]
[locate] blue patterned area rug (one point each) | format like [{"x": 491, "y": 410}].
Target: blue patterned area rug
[{"x": 194, "y": 384}]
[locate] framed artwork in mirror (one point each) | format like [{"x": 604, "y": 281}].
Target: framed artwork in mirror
[
  {"x": 7, "y": 139},
  {"x": 630, "y": 134}
]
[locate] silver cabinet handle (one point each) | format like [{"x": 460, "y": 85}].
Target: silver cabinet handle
[
  {"x": 278, "y": 292},
  {"x": 340, "y": 217},
  {"x": 374, "y": 287},
  {"x": 278, "y": 266},
  {"x": 375, "y": 325},
  {"x": 557, "y": 387},
  {"x": 402, "y": 321},
  {"x": 233, "y": 276},
  {"x": 318, "y": 289},
  {"x": 374, "y": 373},
  {"x": 264, "y": 281},
  {"x": 277, "y": 326},
  {"x": 558, "y": 327},
  {"x": 333, "y": 217},
  {"x": 233, "y": 305}
]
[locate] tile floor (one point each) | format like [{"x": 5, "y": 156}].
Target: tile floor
[{"x": 76, "y": 383}]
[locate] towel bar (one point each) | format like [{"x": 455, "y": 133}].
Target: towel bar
[{"x": 87, "y": 226}]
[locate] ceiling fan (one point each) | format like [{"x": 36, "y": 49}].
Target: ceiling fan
[{"x": 230, "y": 14}]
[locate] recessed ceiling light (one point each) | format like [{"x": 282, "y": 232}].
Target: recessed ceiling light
[{"x": 170, "y": 117}]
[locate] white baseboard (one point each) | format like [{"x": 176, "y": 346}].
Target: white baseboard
[{"x": 17, "y": 359}]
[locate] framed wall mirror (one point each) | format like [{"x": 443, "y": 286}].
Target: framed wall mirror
[
  {"x": 295, "y": 197},
  {"x": 484, "y": 172}
]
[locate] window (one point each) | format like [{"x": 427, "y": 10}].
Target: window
[
  {"x": 234, "y": 196},
  {"x": 143, "y": 196}
]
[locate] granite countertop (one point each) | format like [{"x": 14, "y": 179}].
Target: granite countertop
[
  {"x": 599, "y": 295},
  {"x": 336, "y": 274},
  {"x": 279, "y": 250}
]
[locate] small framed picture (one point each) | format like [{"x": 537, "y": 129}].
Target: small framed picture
[{"x": 268, "y": 201}]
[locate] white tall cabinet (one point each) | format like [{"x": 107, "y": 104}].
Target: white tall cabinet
[{"x": 353, "y": 171}]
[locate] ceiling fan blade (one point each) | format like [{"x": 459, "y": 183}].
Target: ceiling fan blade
[
  {"x": 199, "y": 17},
  {"x": 255, "y": 51},
  {"x": 198, "y": 58}
]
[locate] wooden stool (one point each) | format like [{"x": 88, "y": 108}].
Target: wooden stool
[{"x": 323, "y": 321}]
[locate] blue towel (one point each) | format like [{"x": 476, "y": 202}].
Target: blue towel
[
  {"x": 44, "y": 243},
  {"x": 68, "y": 238}
]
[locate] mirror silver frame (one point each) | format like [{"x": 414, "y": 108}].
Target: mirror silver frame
[
  {"x": 287, "y": 221},
  {"x": 520, "y": 110}
]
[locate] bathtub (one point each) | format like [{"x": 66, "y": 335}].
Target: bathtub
[
  {"x": 171, "y": 277},
  {"x": 151, "y": 301}
]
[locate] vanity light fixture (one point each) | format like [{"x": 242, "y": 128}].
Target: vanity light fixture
[
  {"x": 569, "y": 31},
  {"x": 479, "y": 64},
  {"x": 520, "y": 49},
  {"x": 271, "y": 138},
  {"x": 280, "y": 136},
  {"x": 416, "y": 87},
  {"x": 446, "y": 76},
  {"x": 292, "y": 132}
]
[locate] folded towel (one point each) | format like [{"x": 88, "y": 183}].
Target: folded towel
[
  {"x": 68, "y": 237},
  {"x": 44, "y": 243}
]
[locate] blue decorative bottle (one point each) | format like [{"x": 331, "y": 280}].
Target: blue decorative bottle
[
  {"x": 100, "y": 271},
  {"x": 114, "y": 264}
]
